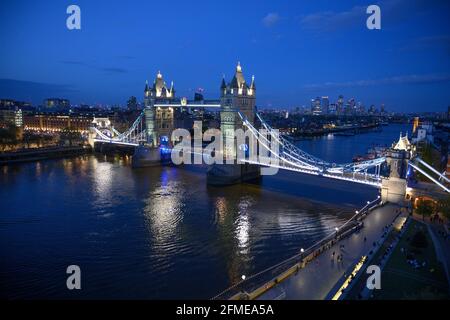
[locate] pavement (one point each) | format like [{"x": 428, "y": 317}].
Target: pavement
[{"x": 317, "y": 279}]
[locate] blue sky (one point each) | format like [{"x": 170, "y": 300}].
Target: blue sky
[{"x": 297, "y": 50}]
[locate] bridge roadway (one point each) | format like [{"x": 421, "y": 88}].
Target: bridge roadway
[
  {"x": 287, "y": 156},
  {"x": 357, "y": 177},
  {"x": 317, "y": 279}
]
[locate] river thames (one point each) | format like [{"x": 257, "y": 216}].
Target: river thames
[{"x": 162, "y": 232}]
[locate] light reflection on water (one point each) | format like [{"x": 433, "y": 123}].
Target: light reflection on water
[
  {"x": 161, "y": 231},
  {"x": 154, "y": 232},
  {"x": 163, "y": 210}
]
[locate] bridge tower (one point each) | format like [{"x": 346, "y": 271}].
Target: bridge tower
[
  {"x": 393, "y": 188},
  {"x": 159, "y": 119},
  {"x": 236, "y": 96},
  {"x": 159, "y": 123}
]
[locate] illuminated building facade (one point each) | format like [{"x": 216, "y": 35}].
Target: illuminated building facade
[
  {"x": 10, "y": 116},
  {"x": 52, "y": 122}
]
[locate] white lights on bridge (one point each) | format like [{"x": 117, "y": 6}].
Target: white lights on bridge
[{"x": 285, "y": 156}]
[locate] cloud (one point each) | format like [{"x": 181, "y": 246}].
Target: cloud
[
  {"x": 114, "y": 70},
  {"x": 392, "y": 11},
  {"x": 33, "y": 91},
  {"x": 329, "y": 20},
  {"x": 109, "y": 70},
  {"x": 440, "y": 42},
  {"x": 404, "y": 79},
  {"x": 271, "y": 19}
]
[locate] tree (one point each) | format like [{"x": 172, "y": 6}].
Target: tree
[
  {"x": 70, "y": 135},
  {"x": 30, "y": 137},
  {"x": 443, "y": 206},
  {"x": 9, "y": 136},
  {"x": 425, "y": 208},
  {"x": 426, "y": 153}
]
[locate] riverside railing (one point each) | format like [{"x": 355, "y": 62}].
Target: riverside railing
[{"x": 257, "y": 284}]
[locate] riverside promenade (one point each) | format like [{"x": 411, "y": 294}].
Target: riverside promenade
[
  {"x": 37, "y": 154},
  {"x": 317, "y": 278}
]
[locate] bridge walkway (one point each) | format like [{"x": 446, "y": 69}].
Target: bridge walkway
[{"x": 318, "y": 278}]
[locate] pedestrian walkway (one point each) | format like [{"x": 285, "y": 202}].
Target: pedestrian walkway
[{"x": 317, "y": 278}]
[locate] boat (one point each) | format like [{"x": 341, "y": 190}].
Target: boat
[
  {"x": 344, "y": 134},
  {"x": 372, "y": 153}
]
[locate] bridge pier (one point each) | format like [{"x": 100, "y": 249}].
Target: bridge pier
[
  {"x": 146, "y": 156},
  {"x": 228, "y": 174}
]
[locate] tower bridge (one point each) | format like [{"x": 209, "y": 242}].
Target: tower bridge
[{"x": 151, "y": 135}]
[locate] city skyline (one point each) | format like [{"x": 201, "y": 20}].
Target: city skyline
[
  {"x": 296, "y": 52},
  {"x": 225, "y": 156}
]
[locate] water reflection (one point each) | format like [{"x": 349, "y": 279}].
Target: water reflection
[
  {"x": 242, "y": 223},
  {"x": 164, "y": 212},
  {"x": 168, "y": 235},
  {"x": 103, "y": 180}
]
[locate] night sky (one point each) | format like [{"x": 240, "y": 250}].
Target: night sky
[{"x": 297, "y": 50}]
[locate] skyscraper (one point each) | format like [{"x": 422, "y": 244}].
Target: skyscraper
[
  {"x": 340, "y": 104},
  {"x": 316, "y": 108},
  {"x": 325, "y": 105}
]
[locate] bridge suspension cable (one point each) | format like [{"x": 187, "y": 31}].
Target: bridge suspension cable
[
  {"x": 132, "y": 136},
  {"x": 414, "y": 163},
  {"x": 295, "y": 159}
]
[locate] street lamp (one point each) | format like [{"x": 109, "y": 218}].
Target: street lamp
[
  {"x": 243, "y": 277},
  {"x": 302, "y": 250}
]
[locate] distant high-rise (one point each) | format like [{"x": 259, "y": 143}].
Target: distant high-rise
[
  {"x": 132, "y": 103},
  {"x": 340, "y": 105},
  {"x": 56, "y": 104},
  {"x": 325, "y": 105},
  {"x": 350, "y": 107},
  {"x": 332, "y": 109},
  {"x": 361, "y": 109},
  {"x": 316, "y": 107}
]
